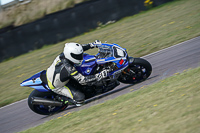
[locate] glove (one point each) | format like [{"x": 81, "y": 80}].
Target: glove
[
  {"x": 101, "y": 75},
  {"x": 94, "y": 44},
  {"x": 97, "y": 42}
]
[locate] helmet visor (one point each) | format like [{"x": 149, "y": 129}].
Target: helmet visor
[{"x": 77, "y": 56}]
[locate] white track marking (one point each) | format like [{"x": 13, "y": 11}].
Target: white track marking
[{"x": 14, "y": 103}]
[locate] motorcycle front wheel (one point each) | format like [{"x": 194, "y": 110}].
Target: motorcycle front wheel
[{"x": 137, "y": 71}]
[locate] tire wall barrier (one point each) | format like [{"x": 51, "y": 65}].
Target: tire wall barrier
[{"x": 65, "y": 24}]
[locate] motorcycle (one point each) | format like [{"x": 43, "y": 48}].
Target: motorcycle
[{"x": 122, "y": 68}]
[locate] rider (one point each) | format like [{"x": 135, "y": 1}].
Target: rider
[{"x": 63, "y": 69}]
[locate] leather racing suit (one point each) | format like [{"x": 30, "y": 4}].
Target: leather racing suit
[{"x": 59, "y": 74}]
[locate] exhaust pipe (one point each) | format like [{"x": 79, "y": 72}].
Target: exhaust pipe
[{"x": 43, "y": 101}]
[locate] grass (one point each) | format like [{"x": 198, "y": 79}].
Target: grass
[
  {"x": 141, "y": 34},
  {"x": 22, "y": 14},
  {"x": 169, "y": 106}
]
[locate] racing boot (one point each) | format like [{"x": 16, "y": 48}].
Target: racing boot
[
  {"x": 63, "y": 99},
  {"x": 69, "y": 101}
]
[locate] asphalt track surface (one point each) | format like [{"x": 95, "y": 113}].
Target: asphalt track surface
[{"x": 18, "y": 117}]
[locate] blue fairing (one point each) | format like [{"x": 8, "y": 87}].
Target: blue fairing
[
  {"x": 116, "y": 54},
  {"x": 36, "y": 83},
  {"x": 88, "y": 65}
]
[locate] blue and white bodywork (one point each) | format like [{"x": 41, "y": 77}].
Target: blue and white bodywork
[
  {"x": 36, "y": 82},
  {"x": 107, "y": 53}
]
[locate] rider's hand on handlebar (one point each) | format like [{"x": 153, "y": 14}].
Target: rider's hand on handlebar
[
  {"x": 102, "y": 74},
  {"x": 95, "y": 43}
]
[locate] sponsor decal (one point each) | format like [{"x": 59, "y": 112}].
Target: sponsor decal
[{"x": 121, "y": 61}]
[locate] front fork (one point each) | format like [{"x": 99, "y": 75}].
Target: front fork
[{"x": 130, "y": 73}]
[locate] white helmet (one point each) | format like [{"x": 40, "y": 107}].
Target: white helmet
[{"x": 74, "y": 53}]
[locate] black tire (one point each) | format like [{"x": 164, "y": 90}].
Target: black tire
[
  {"x": 142, "y": 70},
  {"x": 41, "y": 109}
]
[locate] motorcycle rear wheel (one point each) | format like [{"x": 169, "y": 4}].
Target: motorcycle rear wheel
[
  {"x": 42, "y": 109},
  {"x": 138, "y": 71}
]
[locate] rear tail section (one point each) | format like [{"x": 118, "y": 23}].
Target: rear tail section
[{"x": 36, "y": 82}]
